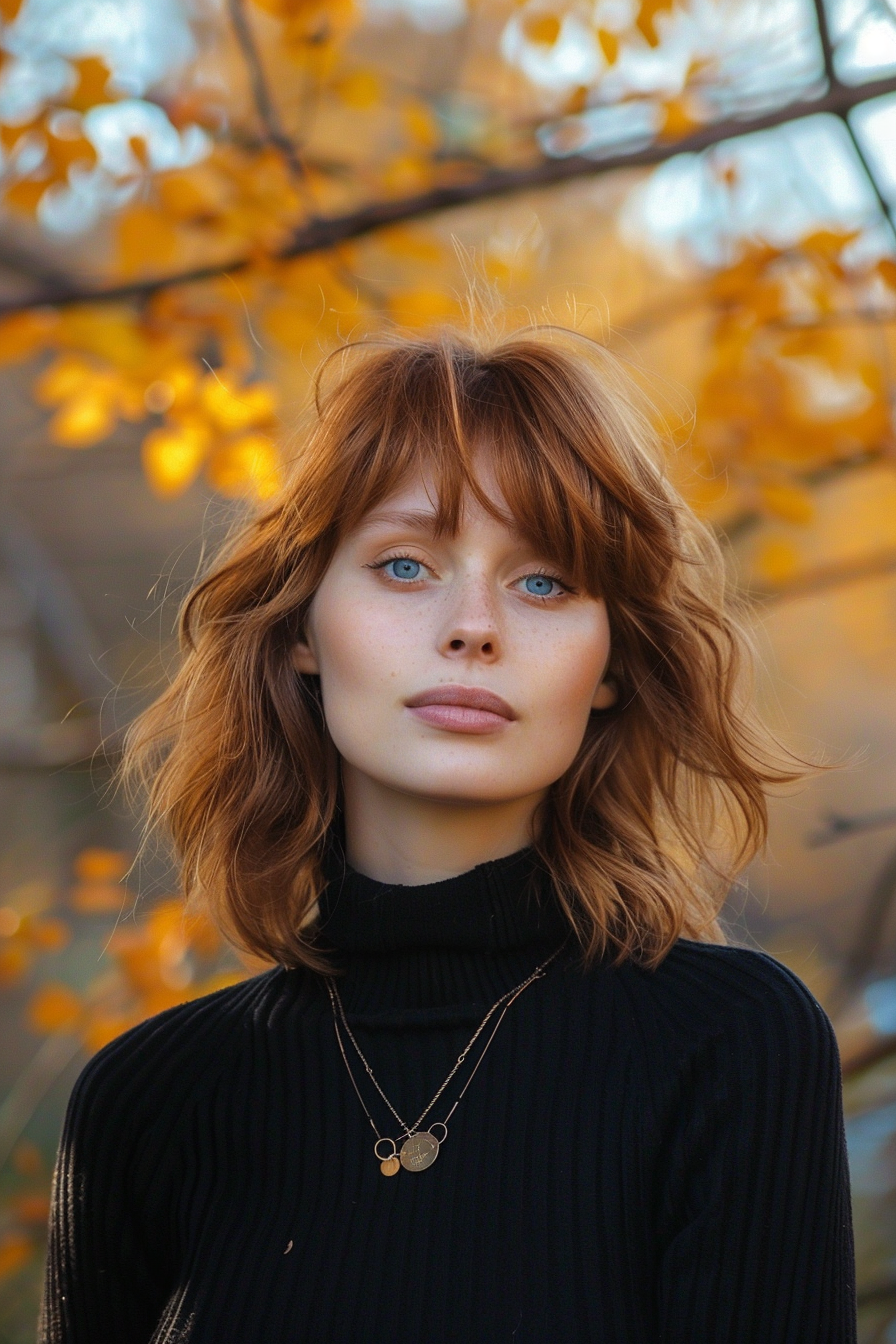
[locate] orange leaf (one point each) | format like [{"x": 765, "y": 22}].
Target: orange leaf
[
  {"x": 26, "y": 194},
  {"x": 85, "y": 419},
  {"x": 418, "y": 308},
  {"x": 235, "y": 408},
  {"x": 103, "y": 865},
  {"x": 55, "y": 1007},
  {"x": 678, "y": 118},
  {"x": 68, "y": 376},
  {"x": 104, "y": 1027},
  {"x": 609, "y": 45},
  {"x": 92, "y": 84},
  {"x": 777, "y": 561},
  {"x": 50, "y": 934},
  {"x": 63, "y": 151},
  {"x": 15, "y": 1251},
  {"x": 22, "y": 334},
  {"x": 139, "y": 149},
  {"x": 420, "y": 125},
  {"x": 543, "y": 29},
  {"x": 147, "y": 239},
  {"x": 9, "y": 9},
  {"x": 647, "y": 16},
  {"x": 14, "y": 962},
  {"x": 787, "y": 501},
  {"x": 247, "y": 465},
  {"x": 31, "y": 1208},
  {"x": 362, "y": 89},
  {"x": 173, "y": 455},
  {"x": 27, "y": 1158}
]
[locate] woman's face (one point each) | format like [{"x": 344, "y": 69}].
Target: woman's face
[{"x": 481, "y": 625}]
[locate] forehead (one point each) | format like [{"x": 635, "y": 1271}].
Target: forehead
[{"x": 416, "y": 505}]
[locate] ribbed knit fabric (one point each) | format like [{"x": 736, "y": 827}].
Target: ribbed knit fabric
[{"x": 644, "y": 1157}]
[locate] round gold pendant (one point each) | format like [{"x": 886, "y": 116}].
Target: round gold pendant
[
  {"x": 389, "y": 1166},
  {"x": 419, "y": 1151}
]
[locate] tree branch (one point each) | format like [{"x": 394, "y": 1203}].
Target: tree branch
[
  {"x": 261, "y": 94},
  {"x": 319, "y": 235}
]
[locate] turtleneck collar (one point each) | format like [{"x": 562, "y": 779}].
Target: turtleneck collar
[
  {"x": 497, "y": 906},
  {"x": 438, "y": 953}
]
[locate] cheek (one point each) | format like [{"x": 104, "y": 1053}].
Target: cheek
[{"x": 360, "y": 648}]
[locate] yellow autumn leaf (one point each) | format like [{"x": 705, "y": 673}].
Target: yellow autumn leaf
[
  {"x": 55, "y": 1007},
  {"x": 49, "y": 934},
  {"x": 63, "y": 151},
  {"x": 26, "y": 195},
  {"x": 247, "y": 465},
  {"x": 31, "y": 1207},
  {"x": 678, "y": 118},
  {"x": 23, "y": 334},
  {"x": 86, "y": 418},
  {"x": 173, "y": 455},
  {"x": 103, "y": 1027},
  {"x": 91, "y": 84},
  {"x": 16, "y": 1249},
  {"x": 777, "y": 560},
  {"x": 66, "y": 377},
  {"x": 147, "y": 239},
  {"x": 543, "y": 29},
  {"x": 14, "y": 962},
  {"x": 609, "y": 45},
  {"x": 421, "y": 308},
  {"x": 789, "y": 501},
  {"x": 360, "y": 89},
  {"x": 412, "y": 245},
  {"x": 96, "y": 864},
  {"x": 233, "y": 408},
  {"x": 420, "y": 124},
  {"x": 648, "y": 11}
]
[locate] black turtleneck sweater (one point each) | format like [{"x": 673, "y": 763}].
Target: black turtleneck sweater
[{"x": 644, "y": 1157}]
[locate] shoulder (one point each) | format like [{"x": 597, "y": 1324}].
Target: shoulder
[
  {"x": 704, "y": 991},
  {"x": 154, "y": 1064}
]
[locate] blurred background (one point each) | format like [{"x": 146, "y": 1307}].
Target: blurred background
[{"x": 200, "y": 198}]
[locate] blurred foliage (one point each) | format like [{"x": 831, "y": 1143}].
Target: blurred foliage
[{"x": 275, "y": 189}]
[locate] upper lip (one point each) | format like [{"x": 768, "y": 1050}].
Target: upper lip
[{"x": 475, "y": 697}]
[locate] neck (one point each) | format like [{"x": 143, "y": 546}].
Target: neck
[{"x": 407, "y": 839}]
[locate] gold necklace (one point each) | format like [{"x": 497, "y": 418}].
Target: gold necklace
[{"x": 420, "y": 1147}]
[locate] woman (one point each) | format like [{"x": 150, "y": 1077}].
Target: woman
[{"x": 460, "y": 743}]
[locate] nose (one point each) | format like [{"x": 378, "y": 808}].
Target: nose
[{"x": 471, "y": 628}]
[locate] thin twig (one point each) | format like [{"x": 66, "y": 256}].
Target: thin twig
[
  {"x": 319, "y": 235},
  {"x": 265, "y": 106}
]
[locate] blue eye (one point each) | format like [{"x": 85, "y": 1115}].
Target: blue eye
[
  {"x": 539, "y": 585},
  {"x": 404, "y": 567}
]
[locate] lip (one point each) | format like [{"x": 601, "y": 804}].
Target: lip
[{"x": 461, "y": 709}]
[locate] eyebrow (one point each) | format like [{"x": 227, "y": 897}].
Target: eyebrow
[{"x": 422, "y": 520}]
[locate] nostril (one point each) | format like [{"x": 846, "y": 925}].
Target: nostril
[{"x": 457, "y": 643}]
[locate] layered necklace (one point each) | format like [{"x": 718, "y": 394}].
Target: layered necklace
[{"x": 416, "y": 1148}]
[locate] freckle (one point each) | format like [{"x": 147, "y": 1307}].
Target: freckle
[{"x": 288, "y": 1249}]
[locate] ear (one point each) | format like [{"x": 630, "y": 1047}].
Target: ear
[
  {"x": 303, "y": 657},
  {"x": 606, "y": 694}
]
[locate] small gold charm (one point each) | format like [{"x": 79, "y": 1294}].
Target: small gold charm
[{"x": 389, "y": 1166}]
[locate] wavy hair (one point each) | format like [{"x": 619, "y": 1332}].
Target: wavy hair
[{"x": 666, "y": 798}]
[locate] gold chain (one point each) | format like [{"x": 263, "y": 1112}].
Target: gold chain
[{"x": 420, "y": 1148}]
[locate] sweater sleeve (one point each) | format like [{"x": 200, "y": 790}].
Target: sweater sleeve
[
  {"x": 757, "y": 1242},
  {"x": 106, "y": 1278}
]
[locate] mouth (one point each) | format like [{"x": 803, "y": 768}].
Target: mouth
[{"x": 461, "y": 709}]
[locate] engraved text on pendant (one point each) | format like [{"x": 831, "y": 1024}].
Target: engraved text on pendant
[{"x": 419, "y": 1152}]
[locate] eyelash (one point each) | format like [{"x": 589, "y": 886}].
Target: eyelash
[{"x": 404, "y": 555}]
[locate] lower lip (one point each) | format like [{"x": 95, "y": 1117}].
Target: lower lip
[{"x": 460, "y": 718}]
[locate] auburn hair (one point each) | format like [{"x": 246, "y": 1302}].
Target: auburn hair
[{"x": 666, "y": 798}]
